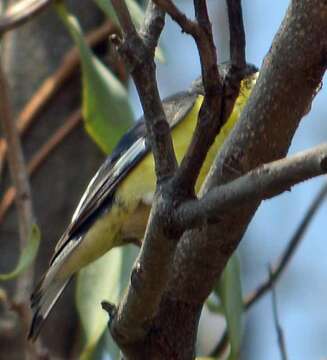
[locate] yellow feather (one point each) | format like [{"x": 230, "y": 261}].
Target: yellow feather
[{"x": 128, "y": 215}]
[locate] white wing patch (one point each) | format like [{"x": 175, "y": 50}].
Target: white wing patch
[
  {"x": 121, "y": 164},
  {"x": 66, "y": 250},
  {"x": 128, "y": 157},
  {"x": 84, "y": 197}
]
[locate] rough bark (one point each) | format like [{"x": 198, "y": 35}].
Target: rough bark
[{"x": 290, "y": 75}]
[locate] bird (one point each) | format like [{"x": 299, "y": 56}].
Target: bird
[{"x": 116, "y": 204}]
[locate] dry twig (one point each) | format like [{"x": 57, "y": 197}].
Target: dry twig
[
  {"x": 211, "y": 117},
  {"x": 236, "y": 33},
  {"x": 54, "y": 82},
  {"x": 20, "y": 13},
  {"x": 281, "y": 263},
  {"x": 23, "y": 199},
  {"x": 289, "y": 251},
  {"x": 38, "y": 159},
  {"x": 279, "y": 330}
]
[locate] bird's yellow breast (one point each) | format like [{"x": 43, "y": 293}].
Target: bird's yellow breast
[
  {"x": 139, "y": 185},
  {"x": 127, "y": 217}
]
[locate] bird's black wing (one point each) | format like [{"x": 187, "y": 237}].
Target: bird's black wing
[{"x": 129, "y": 151}]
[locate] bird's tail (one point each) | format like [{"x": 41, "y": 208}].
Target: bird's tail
[{"x": 43, "y": 299}]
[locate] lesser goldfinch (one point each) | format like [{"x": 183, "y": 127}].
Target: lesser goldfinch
[{"x": 115, "y": 206}]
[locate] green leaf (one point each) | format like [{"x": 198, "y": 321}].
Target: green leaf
[
  {"x": 229, "y": 290},
  {"x": 104, "y": 279},
  {"x": 27, "y": 255},
  {"x": 106, "y": 109}
]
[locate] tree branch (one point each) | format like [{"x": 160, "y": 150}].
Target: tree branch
[
  {"x": 263, "y": 133},
  {"x": 279, "y": 330},
  {"x": 20, "y": 13},
  {"x": 188, "y": 26},
  {"x": 43, "y": 153},
  {"x": 289, "y": 251},
  {"x": 258, "y": 138},
  {"x": 236, "y": 33},
  {"x": 280, "y": 265},
  {"x": 154, "y": 263},
  {"x": 140, "y": 58},
  {"x": 53, "y": 83},
  {"x": 262, "y": 183},
  {"x": 130, "y": 323},
  {"x": 23, "y": 198},
  {"x": 211, "y": 117}
]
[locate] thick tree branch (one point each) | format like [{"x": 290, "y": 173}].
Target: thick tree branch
[
  {"x": 258, "y": 138},
  {"x": 20, "y": 13},
  {"x": 130, "y": 323},
  {"x": 263, "y": 133},
  {"x": 152, "y": 269}
]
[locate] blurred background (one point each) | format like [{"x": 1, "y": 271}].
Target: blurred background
[{"x": 301, "y": 291}]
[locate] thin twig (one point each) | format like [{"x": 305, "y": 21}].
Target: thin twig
[
  {"x": 9, "y": 328},
  {"x": 54, "y": 82},
  {"x": 124, "y": 18},
  {"x": 21, "y": 12},
  {"x": 211, "y": 117},
  {"x": 236, "y": 33},
  {"x": 43, "y": 153},
  {"x": 281, "y": 263},
  {"x": 187, "y": 25},
  {"x": 279, "y": 330},
  {"x": 236, "y": 51},
  {"x": 289, "y": 251},
  {"x": 23, "y": 199},
  {"x": 138, "y": 51}
]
